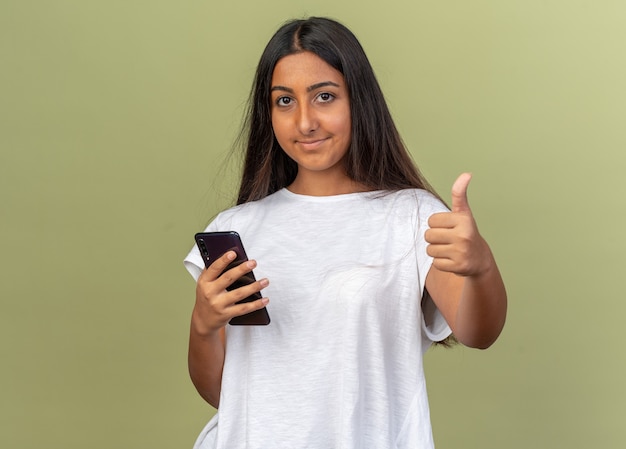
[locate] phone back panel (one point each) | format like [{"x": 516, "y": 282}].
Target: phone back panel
[{"x": 212, "y": 246}]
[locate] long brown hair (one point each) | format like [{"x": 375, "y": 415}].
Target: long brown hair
[{"x": 376, "y": 158}]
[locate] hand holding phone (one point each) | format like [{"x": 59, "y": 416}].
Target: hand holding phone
[{"x": 212, "y": 246}]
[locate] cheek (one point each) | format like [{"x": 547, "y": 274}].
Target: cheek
[
  {"x": 280, "y": 133},
  {"x": 342, "y": 123},
  {"x": 343, "y": 128},
  {"x": 277, "y": 129}
]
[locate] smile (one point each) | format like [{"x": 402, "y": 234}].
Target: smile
[{"x": 311, "y": 144}]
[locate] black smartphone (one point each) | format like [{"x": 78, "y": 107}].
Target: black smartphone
[{"x": 212, "y": 246}]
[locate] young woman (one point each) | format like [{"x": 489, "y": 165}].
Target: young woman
[{"x": 367, "y": 266}]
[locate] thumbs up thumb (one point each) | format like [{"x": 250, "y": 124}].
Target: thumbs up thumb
[{"x": 459, "y": 193}]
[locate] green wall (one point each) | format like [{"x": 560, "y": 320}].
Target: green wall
[{"x": 115, "y": 120}]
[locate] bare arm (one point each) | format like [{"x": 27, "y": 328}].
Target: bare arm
[
  {"x": 206, "y": 363},
  {"x": 214, "y": 307},
  {"x": 464, "y": 280}
]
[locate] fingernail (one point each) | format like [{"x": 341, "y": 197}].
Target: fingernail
[
  {"x": 265, "y": 301},
  {"x": 231, "y": 255},
  {"x": 264, "y": 282},
  {"x": 251, "y": 264}
]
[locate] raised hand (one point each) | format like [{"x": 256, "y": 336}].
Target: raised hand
[{"x": 454, "y": 241}]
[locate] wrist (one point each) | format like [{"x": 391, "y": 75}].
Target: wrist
[
  {"x": 200, "y": 328},
  {"x": 488, "y": 266}
]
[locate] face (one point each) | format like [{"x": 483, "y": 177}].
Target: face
[{"x": 311, "y": 115}]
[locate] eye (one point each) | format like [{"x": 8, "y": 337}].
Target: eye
[
  {"x": 325, "y": 97},
  {"x": 283, "y": 101}
]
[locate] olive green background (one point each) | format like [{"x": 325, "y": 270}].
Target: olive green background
[{"x": 116, "y": 118}]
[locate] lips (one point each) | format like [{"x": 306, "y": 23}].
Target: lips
[{"x": 311, "y": 144}]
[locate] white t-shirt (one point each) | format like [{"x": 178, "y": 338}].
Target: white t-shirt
[{"x": 340, "y": 364}]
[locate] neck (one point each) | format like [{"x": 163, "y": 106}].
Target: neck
[{"x": 317, "y": 184}]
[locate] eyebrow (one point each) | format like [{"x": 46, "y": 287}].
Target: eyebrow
[{"x": 308, "y": 89}]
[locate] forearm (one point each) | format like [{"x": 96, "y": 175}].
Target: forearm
[
  {"x": 206, "y": 362},
  {"x": 481, "y": 311}
]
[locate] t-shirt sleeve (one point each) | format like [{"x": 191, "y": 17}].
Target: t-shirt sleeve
[
  {"x": 193, "y": 262},
  {"x": 434, "y": 325}
]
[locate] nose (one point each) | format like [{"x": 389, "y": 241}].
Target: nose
[{"x": 306, "y": 119}]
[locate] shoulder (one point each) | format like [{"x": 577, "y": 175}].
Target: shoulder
[
  {"x": 421, "y": 195},
  {"x": 414, "y": 201},
  {"x": 246, "y": 212}
]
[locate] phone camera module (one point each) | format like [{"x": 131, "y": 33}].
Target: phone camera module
[{"x": 203, "y": 249}]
